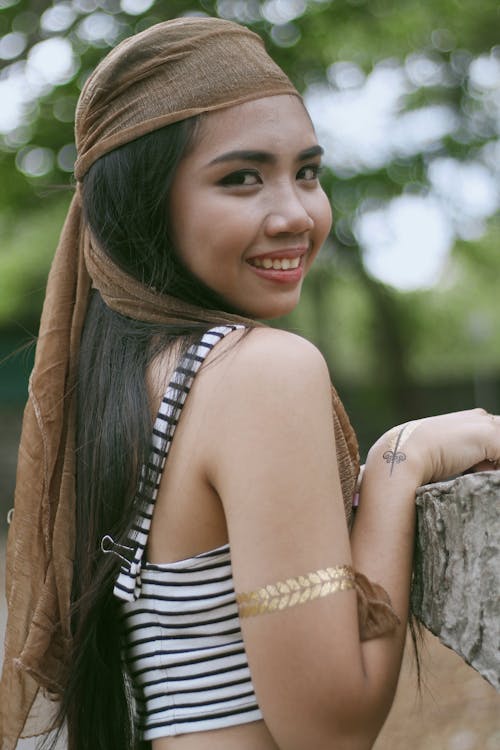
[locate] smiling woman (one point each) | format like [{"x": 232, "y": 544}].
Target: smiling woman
[
  {"x": 225, "y": 598},
  {"x": 248, "y": 214}
]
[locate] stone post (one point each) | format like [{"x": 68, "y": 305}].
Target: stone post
[{"x": 456, "y": 589}]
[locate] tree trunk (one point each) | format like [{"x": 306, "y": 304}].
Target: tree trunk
[{"x": 456, "y": 588}]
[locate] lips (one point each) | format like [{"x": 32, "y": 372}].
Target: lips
[{"x": 281, "y": 267}]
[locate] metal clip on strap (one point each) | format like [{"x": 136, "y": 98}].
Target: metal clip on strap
[{"x": 109, "y": 546}]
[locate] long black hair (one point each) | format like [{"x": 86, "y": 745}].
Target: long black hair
[{"x": 125, "y": 202}]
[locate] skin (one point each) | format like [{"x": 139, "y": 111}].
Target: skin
[
  {"x": 248, "y": 190},
  {"x": 252, "y": 456}
]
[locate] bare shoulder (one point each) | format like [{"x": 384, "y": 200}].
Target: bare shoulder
[
  {"x": 268, "y": 358},
  {"x": 266, "y": 393}
]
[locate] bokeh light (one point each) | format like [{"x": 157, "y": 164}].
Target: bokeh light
[{"x": 35, "y": 161}]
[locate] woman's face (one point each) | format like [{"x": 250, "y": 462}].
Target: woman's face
[{"x": 247, "y": 212}]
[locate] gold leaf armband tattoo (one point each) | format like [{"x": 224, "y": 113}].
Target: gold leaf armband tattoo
[{"x": 293, "y": 591}]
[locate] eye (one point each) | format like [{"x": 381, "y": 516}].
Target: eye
[
  {"x": 310, "y": 172},
  {"x": 242, "y": 178}
]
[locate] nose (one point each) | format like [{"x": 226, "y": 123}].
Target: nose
[{"x": 288, "y": 214}]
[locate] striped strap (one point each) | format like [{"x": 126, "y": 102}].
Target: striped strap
[{"x": 128, "y": 583}]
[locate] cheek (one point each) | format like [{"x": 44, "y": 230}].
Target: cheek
[{"x": 322, "y": 215}]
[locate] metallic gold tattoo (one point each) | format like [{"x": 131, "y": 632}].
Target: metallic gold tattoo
[
  {"x": 294, "y": 591},
  {"x": 399, "y": 436}
]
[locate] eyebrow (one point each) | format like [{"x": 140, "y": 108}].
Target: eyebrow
[{"x": 264, "y": 157}]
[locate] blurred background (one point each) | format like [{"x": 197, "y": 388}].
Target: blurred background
[{"x": 404, "y": 301}]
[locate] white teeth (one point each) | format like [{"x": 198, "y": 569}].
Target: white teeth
[{"x": 283, "y": 264}]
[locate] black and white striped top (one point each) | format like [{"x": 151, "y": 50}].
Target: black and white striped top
[{"x": 182, "y": 638}]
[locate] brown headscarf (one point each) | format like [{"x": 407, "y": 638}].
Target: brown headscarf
[{"x": 169, "y": 72}]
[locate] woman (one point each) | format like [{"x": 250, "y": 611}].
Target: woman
[{"x": 221, "y": 602}]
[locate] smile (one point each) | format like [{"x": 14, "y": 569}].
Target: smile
[{"x": 277, "y": 264}]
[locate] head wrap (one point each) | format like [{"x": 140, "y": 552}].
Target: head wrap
[{"x": 169, "y": 72}]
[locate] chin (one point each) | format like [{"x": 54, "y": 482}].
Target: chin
[
  {"x": 271, "y": 312},
  {"x": 267, "y": 308}
]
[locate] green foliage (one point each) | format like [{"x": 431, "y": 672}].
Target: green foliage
[
  {"x": 27, "y": 250},
  {"x": 453, "y": 329}
]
